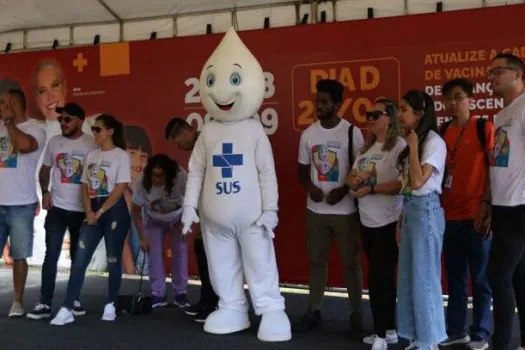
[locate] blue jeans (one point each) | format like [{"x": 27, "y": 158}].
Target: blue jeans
[
  {"x": 113, "y": 225},
  {"x": 421, "y": 315},
  {"x": 464, "y": 247},
  {"x": 58, "y": 220},
  {"x": 16, "y": 223}
]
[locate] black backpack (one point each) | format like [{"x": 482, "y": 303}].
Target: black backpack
[{"x": 480, "y": 131}]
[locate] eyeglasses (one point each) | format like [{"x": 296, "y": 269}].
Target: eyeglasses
[
  {"x": 491, "y": 73},
  {"x": 96, "y": 129},
  {"x": 375, "y": 115},
  {"x": 65, "y": 119}
]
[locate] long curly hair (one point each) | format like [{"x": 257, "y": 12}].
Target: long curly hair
[
  {"x": 393, "y": 127},
  {"x": 169, "y": 166}
]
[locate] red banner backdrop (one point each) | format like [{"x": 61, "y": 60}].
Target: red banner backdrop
[{"x": 146, "y": 83}]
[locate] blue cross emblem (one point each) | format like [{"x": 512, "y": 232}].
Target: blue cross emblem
[{"x": 227, "y": 160}]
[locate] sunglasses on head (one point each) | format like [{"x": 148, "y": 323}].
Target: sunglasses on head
[
  {"x": 65, "y": 119},
  {"x": 96, "y": 129},
  {"x": 375, "y": 115}
]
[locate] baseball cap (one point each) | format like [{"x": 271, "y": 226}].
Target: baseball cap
[
  {"x": 7, "y": 84},
  {"x": 72, "y": 109}
]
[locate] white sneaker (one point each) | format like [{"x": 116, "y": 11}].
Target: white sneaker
[
  {"x": 110, "y": 314},
  {"x": 391, "y": 338},
  {"x": 63, "y": 317},
  {"x": 379, "y": 344},
  {"x": 17, "y": 310}
]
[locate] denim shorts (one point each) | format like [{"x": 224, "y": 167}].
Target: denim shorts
[{"x": 17, "y": 224}]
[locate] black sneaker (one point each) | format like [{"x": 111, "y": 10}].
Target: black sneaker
[
  {"x": 40, "y": 312},
  {"x": 78, "y": 310},
  {"x": 181, "y": 301},
  {"x": 194, "y": 309},
  {"x": 310, "y": 321},
  {"x": 203, "y": 315}
]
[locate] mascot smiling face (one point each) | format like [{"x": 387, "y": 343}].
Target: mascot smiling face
[{"x": 232, "y": 81}]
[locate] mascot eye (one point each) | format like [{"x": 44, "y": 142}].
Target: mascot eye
[
  {"x": 235, "y": 79},
  {"x": 210, "y": 80}
]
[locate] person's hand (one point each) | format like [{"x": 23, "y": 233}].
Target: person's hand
[
  {"x": 47, "y": 203},
  {"x": 8, "y": 260},
  {"x": 398, "y": 231},
  {"x": 91, "y": 218},
  {"x": 411, "y": 139},
  {"x": 483, "y": 218},
  {"x": 315, "y": 193},
  {"x": 144, "y": 244},
  {"x": 189, "y": 217},
  {"x": 268, "y": 221},
  {"x": 336, "y": 195},
  {"x": 363, "y": 191}
]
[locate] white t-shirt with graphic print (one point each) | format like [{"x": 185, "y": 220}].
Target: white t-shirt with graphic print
[
  {"x": 326, "y": 150},
  {"x": 104, "y": 169},
  {"x": 507, "y": 162},
  {"x": 18, "y": 170},
  {"x": 377, "y": 210},
  {"x": 434, "y": 154},
  {"x": 66, "y": 157},
  {"x": 160, "y": 205}
]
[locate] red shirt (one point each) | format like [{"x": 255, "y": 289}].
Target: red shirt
[{"x": 470, "y": 171}]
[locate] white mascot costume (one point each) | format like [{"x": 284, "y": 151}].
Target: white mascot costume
[{"x": 232, "y": 183}]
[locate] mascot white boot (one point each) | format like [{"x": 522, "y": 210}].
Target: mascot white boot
[{"x": 232, "y": 183}]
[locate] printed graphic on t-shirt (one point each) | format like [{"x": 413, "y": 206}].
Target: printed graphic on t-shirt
[
  {"x": 324, "y": 158},
  {"x": 367, "y": 168},
  {"x": 8, "y": 158},
  {"x": 406, "y": 189},
  {"x": 98, "y": 182},
  {"x": 70, "y": 166},
  {"x": 500, "y": 154},
  {"x": 164, "y": 205}
]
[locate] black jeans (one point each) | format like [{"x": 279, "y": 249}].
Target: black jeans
[
  {"x": 506, "y": 272},
  {"x": 209, "y": 299},
  {"x": 382, "y": 252},
  {"x": 58, "y": 220}
]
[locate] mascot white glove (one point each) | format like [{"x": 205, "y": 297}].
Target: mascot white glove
[
  {"x": 268, "y": 221},
  {"x": 189, "y": 217}
]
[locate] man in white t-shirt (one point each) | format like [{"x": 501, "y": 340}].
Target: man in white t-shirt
[
  {"x": 324, "y": 164},
  {"x": 63, "y": 160},
  {"x": 21, "y": 143},
  {"x": 506, "y": 269}
]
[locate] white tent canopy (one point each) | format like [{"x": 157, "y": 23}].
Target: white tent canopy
[{"x": 37, "y": 24}]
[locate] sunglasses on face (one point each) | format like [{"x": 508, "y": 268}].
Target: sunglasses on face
[
  {"x": 65, "y": 119},
  {"x": 96, "y": 129},
  {"x": 375, "y": 115}
]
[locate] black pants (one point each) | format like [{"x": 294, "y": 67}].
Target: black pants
[
  {"x": 208, "y": 297},
  {"x": 58, "y": 220},
  {"x": 382, "y": 252},
  {"x": 506, "y": 272}
]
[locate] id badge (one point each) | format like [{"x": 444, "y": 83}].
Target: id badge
[{"x": 448, "y": 181}]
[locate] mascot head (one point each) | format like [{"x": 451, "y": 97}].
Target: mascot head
[{"x": 232, "y": 81}]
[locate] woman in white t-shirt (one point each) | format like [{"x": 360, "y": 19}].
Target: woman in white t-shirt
[
  {"x": 374, "y": 180},
  {"x": 421, "y": 316},
  {"x": 158, "y": 198},
  {"x": 105, "y": 176}
]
